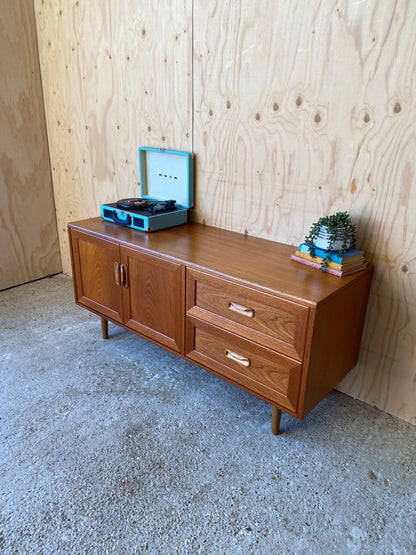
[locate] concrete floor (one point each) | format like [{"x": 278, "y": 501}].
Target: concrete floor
[{"x": 120, "y": 447}]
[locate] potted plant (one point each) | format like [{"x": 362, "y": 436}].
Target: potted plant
[{"x": 331, "y": 233}]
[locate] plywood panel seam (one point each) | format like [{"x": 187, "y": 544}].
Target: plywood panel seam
[{"x": 46, "y": 130}]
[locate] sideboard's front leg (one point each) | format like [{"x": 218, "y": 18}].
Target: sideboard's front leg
[
  {"x": 104, "y": 328},
  {"x": 276, "y": 414}
]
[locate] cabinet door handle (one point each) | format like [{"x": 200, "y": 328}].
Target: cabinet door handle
[
  {"x": 117, "y": 273},
  {"x": 244, "y": 361},
  {"x": 240, "y": 309},
  {"x": 124, "y": 276}
]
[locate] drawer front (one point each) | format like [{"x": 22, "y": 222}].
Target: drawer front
[
  {"x": 274, "y": 377},
  {"x": 266, "y": 319}
]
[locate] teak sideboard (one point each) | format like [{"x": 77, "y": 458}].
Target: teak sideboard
[{"x": 235, "y": 305}]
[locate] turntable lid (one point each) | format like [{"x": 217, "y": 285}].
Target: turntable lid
[{"x": 167, "y": 174}]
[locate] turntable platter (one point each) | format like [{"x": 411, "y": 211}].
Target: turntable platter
[{"x": 133, "y": 203}]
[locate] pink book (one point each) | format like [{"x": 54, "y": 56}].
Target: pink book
[{"x": 332, "y": 271}]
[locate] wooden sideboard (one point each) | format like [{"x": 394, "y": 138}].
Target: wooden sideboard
[{"x": 235, "y": 305}]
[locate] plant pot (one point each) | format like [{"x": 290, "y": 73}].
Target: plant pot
[{"x": 322, "y": 241}]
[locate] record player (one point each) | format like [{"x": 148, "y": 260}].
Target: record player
[{"x": 166, "y": 192}]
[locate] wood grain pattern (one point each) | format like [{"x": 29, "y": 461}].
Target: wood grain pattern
[
  {"x": 154, "y": 304},
  {"x": 156, "y": 277},
  {"x": 281, "y": 325},
  {"x": 93, "y": 268},
  {"x": 275, "y": 377},
  {"x": 303, "y": 109},
  {"x": 116, "y": 75},
  {"x": 29, "y": 246},
  {"x": 300, "y": 109}
]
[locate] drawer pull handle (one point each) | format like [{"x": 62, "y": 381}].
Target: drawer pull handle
[
  {"x": 124, "y": 279},
  {"x": 117, "y": 273},
  {"x": 240, "y": 309},
  {"x": 244, "y": 361}
]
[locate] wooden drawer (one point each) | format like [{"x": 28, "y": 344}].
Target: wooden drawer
[
  {"x": 262, "y": 371},
  {"x": 266, "y": 319}
]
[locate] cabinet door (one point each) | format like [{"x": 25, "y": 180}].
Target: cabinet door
[
  {"x": 96, "y": 267},
  {"x": 154, "y": 298}
]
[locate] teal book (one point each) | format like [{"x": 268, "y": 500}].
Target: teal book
[{"x": 349, "y": 256}]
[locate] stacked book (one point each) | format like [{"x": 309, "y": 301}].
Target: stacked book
[{"x": 352, "y": 261}]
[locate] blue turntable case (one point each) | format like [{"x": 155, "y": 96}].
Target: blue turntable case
[{"x": 164, "y": 175}]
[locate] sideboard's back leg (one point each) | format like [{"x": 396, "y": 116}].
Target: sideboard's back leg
[
  {"x": 104, "y": 328},
  {"x": 276, "y": 414}
]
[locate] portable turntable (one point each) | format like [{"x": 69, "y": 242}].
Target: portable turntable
[{"x": 166, "y": 188}]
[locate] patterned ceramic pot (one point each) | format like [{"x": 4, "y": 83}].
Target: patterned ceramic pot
[{"x": 322, "y": 240}]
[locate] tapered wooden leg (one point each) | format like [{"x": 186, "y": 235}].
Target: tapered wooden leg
[
  {"x": 104, "y": 328},
  {"x": 276, "y": 414}
]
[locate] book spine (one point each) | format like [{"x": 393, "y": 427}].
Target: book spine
[
  {"x": 315, "y": 265},
  {"x": 331, "y": 264},
  {"x": 338, "y": 273},
  {"x": 303, "y": 247},
  {"x": 318, "y": 260}
]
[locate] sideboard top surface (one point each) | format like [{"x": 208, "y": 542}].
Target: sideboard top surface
[{"x": 251, "y": 260}]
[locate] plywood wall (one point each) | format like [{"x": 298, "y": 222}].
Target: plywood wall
[
  {"x": 29, "y": 246},
  {"x": 116, "y": 76},
  {"x": 294, "y": 110},
  {"x": 304, "y": 109}
]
